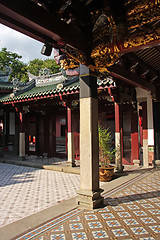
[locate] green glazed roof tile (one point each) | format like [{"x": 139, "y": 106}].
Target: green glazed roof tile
[
  {"x": 6, "y": 86},
  {"x": 48, "y": 90},
  {"x": 39, "y": 91}
]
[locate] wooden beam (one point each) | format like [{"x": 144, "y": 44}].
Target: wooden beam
[
  {"x": 12, "y": 23},
  {"x": 31, "y": 19},
  {"x": 131, "y": 78}
]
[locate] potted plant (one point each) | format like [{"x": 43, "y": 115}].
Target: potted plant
[{"x": 106, "y": 154}]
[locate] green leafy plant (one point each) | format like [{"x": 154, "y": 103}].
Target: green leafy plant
[{"x": 106, "y": 153}]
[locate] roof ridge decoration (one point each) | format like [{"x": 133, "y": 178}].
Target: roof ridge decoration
[
  {"x": 60, "y": 86},
  {"x": 49, "y": 80},
  {"x": 46, "y": 78}
]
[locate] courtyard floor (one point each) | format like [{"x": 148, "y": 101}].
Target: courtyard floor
[
  {"x": 31, "y": 197},
  {"x": 132, "y": 212},
  {"x": 27, "y": 190}
]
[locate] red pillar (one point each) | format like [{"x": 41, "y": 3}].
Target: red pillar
[
  {"x": 134, "y": 137},
  {"x": 69, "y": 116},
  {"x": 117, "y": 118},
  {"x": 144, "y": 123},
  {"x": 145, "y": 134},
  {"x": 22, "y": 122}
]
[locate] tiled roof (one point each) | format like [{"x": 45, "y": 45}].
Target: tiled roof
[
  {"x": 51, "y": 90},
  {"x": 42, "y": 91},
  {"x": 5, "y": 85}
]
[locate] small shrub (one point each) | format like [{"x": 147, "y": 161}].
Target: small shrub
[{"x": 106, "y": 153}]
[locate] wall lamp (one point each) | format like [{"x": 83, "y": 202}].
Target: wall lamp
[{"x": 46, "y": 49}]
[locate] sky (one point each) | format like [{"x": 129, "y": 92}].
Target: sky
[{"x": 21, "y": 44}]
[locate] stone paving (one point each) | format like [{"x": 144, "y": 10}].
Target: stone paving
[
  {"x": 132, "y": 211},
  {"x": 26, "y": 190}
]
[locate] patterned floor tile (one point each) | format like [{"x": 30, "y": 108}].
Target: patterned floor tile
[
  {"x": 58, "y": 237},
  {"x": 124, "y": 214},
  {"x": 89, "y": 211},
  {"x": 158, "y": 204},
  {"x": 147, "y": 205},
  {"x": 76, "y": 219},
  {"x": 32, "y": 190},
  {"x": 130, "y": 221},
  {"x": 107, "y": 215},
  {"x": 95, "y": 225},
  {"x": 56, "y": 229},
  {"x": 118, "y": 208},
  {"x": 106, "y": 209},
  {"x": 154, "y": 199},
  {"x": 76, "y": 226},
  {"x": 140, "y": 213},
  {"x": 154, "y": 211},
  {"x": 79, "y": 236},
  {"x": 99, "y": 234},
  {"x": 132, "y": 206},
  {"x": 156, "y": 229},
  {"x": 147, "y": 238},
  {"x": 120, "y": 219},
  {"x": 139, "y": 230},
  {"x": 148, "y": 220},
  {"x": 119, "y": 232},
  {"x": 113, "y": 223},
  {"x": 91, "y": 217},
  {"x": 128, "y": 203},
  {"x": 141, "y": 201}
]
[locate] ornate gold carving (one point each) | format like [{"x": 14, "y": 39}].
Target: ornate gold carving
[
  {"x": 142, "y": 38},
  {"x": 73, "y": 59},
  {"x": 141, "y": 27},
  {"x": 69, "y": 63},
  {"x": 143, "y": 18},
  {"x": 140, "y": 6}
]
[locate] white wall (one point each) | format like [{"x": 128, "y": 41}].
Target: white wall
[{"x": 143, "y": 95}]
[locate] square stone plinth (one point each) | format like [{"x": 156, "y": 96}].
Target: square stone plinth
[
  {"x": 136, "y": 162},
  {"x": 90, "y": 199},
  {"x": 157, "y": 164}
]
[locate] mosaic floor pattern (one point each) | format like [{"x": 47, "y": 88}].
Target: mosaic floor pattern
[
  {"x": 131, "y": 212},
  {"x": 27, "y": 190}
]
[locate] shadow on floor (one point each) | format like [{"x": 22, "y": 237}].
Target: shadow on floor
[{"x": 130, "y": 198}]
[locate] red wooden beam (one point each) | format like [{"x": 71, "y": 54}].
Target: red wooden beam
[{"x": 117, "y": 118}]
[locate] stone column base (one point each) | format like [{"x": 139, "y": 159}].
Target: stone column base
[
  {"x": 119, "y": 169},
  {"x": 22, "y": 158},
  {"x": 136, "y": 162},
  {"x": 157, "y": 164},
  {"x": 71, "y": 164},
  {"x": 90, "y": 199}
]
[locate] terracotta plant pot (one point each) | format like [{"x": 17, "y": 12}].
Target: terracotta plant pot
[{"x": 106, "y": 173}]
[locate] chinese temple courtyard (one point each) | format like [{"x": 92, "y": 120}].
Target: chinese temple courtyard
[{"x": 32, "y": 197}]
